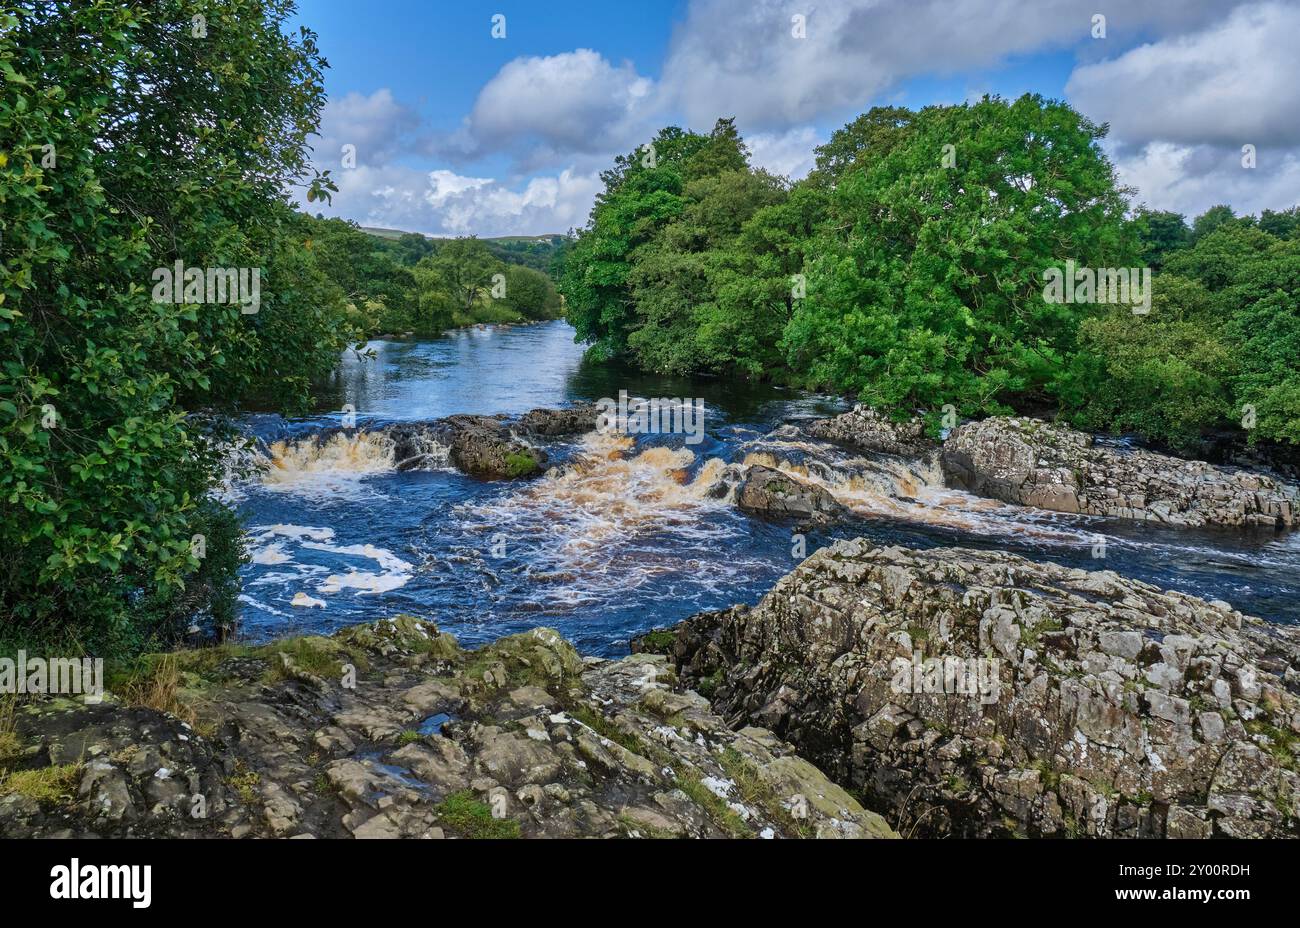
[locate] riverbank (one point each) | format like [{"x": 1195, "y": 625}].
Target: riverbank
[
  {"x": 1108, "y": 708},
  {"x": 391, "y": 730}
]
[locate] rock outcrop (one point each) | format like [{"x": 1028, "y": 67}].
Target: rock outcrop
[
  {"x": 978, "y": 693},
  {"x": 772, "y": 494},
  {"x": 391, "y": 730},
  {"x": 573, "y": 420},
  {"x": 1035, "y": 463},
  {"x": 864, "y": 429},
  {"x": 486, "y": 446}
]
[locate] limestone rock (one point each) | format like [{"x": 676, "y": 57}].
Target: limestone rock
[
  {"x": 1036, "y": 463},
  {"x": 775, "y": 495},
  {"x": 979, "y": 693}
]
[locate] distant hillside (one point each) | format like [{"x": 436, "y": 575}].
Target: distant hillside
[
  {"x": 538, "y": 252},
  {"x": 398, "y": 233}
]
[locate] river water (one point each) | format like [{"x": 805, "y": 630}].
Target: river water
[{"x": 622, "y": 536}]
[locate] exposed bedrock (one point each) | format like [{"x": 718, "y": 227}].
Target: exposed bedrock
[
  {"x": 574, "y": 420},
  {"x": 1035, "y": 463},
  {"x": 775, "y": 495},
  {"x": 979, "y": 693},
  {"x": 864, "y": 429},
  {"x": 521, "y": 738}
]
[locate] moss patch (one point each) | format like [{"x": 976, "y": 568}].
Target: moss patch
[
  {"x": 755, "y": 792},
  {"x": 722, "y": 814},
  {"x": 468, "y": 817},
  {"x": 47, "y": 784},
  {"x": 521, "y": 464},
  {"x": 658, "y": 640},
  {"x": 607, "y": 729},
  {"x": 10, "y": 744},
  {"x": 244, "y": 782}
]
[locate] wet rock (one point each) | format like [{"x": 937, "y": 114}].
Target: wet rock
[
  {"x": 486, "y": 447},
  {"x": 1035, "y": 463},
  {"x": 775, "y": 495},
  {"x": 979, "y": 693},
  {"x": 575, "y": 420},
  {"x": 864, "y": 429}
]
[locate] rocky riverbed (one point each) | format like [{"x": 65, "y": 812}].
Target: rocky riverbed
[
  {"x": 391, "y": 730},
  {"x": 873, "y": 691},
  {"x": 876, "y": 690}
]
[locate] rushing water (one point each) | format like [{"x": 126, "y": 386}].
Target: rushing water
[{"x": 623, "y": 535}]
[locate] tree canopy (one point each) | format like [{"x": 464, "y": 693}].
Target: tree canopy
[{"x": 908, "y": 270}]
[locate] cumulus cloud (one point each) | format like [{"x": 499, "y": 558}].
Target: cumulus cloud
[
  {"x": 1189, "y": 179},
  {"x": 541, "y": 107},
  {"x": 1234, "y": 83},
  {"x": 741, "y": 57},
  {"x": 1181, "y": 108},
  {"x": 789, "y": 154},
  {"x": 441, "y": 202},
  {"x": 379, "y": 126},
  {"x": 1208, "y": 77}
]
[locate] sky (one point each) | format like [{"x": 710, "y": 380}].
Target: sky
[{"x": 460, "y": 131}]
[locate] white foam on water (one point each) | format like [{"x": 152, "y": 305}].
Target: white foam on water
[
  {"x": 613, "y": 519},
  {"x": 280, "y": 546}
]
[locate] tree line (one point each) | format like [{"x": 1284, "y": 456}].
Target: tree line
[
  {"x": 908, "y": 270},
  {"x": 421, "y": 286}
]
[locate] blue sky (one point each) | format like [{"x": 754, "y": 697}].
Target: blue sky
[{"x": 458, "y": 132}]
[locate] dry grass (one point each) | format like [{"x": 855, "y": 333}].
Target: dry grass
[
  {"x": 10, "y": 744},
  {"x": 161, "y": 689}
]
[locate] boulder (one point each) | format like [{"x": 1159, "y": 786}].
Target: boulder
[
  {"x": 575, "y": 420},
  {"x": 773, "y": 494},
  {"x": 487, "y": 447},
  {"x": 1036, "y": 463},
  {"x": 978, "y": 693},
  {"x": 864, "y": 429}
]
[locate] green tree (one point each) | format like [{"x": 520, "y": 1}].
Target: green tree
[
  {"x": 531, "y": 293},
  {"x": 1167, "y": 374},
  {"x": 1212, "y": 219},
  {"x": 871, "y": 136},
  {"x": 1160, "y": 233},
  {"x": 130, "y": 138},
  {"x": 466, "y": 267},
  {"x": 642, "y": 192},
  {"x": 928, "y": 284}
]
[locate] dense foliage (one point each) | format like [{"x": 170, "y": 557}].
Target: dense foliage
[
  {"x": 413, "y": 284},
  {"x": 908, "y": 269},
  {"x": 133, "y": 135}
]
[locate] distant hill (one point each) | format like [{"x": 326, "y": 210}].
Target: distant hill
[
  {"x": 539, "y": 252},
  {"x": 398, "y": 233}
]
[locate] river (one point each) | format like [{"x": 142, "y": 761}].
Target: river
[{"x": 622, "y": 535}]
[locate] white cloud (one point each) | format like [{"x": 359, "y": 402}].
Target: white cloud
[
  {"x": 1189, "y": 179},
  {"x": 1181, "y": 108},
  {"x": 739, "y": 57},
  {"x": 379, "y": 127},
  {"x": 789, "y": 154},
  {"x": 541, "y": 108},
  {"x": 446, "y": 185},
  {"x": 1211, "y": 76},
  {"x": 441, "y": 202},
  {"x": 1233, "y": 83}
]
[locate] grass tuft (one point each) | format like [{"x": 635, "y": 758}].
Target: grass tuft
[
  {"x": 470, "y": 818},
  {"x": 46, "y": 784}
]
